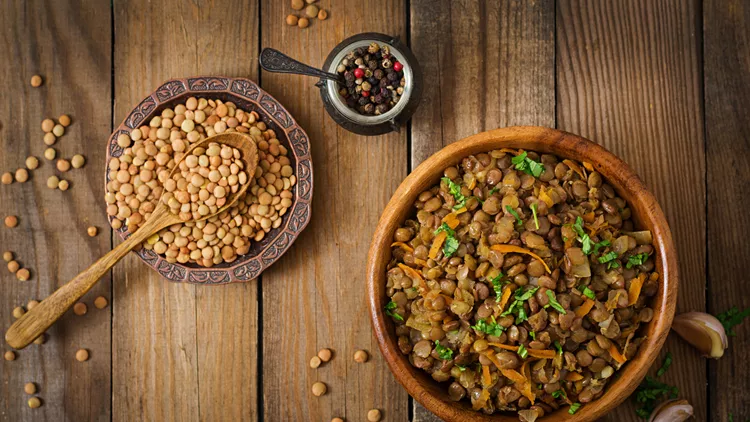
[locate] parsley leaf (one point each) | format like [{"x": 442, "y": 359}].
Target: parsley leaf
[
  {"x": 574, "y": 408},
  {"x": 522, "y": 351},
  {"x": 514, "y": 214},
  {"x": 455, "y": 191},
  {"x": 451, "y": 243},
  {"x": 609, "y": 259},
  {"x": 493, "y": 190},
  {"x": 490, "y": 328},
  {"x": 516, "y": 307},
  {"x": 533, "y": 211},
  {"x": 461, "y": 368},
  {"x": 601, "y": 244},
  {"x": 532, "y": 334},
  {"x": 649, "y": 393},
  {"x": 527, "y": 165},
  {"x": 497, "y": 285},
  {"x": 559, "y": 393},
  {"x": 587, "y": 245},
  {"x": 665, "y": 365},
  {"x": 637, "y": 259},
  {"x": 445, "y": 228},
  {"x": 554, "y": 303},
  {"x": 389, "y": 308},
  {"x": 443, "y": 352},
  {"x": 589, "y": 293},
  {"x": 731, "y": 318},
  {"x": 558, "y": 347}
]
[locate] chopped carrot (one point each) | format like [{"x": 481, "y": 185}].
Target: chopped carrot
[
  {"x": 585, "y": 308},
  {"x": 573, "y": 376},
  {"x": 589, "y": 217},
  {"x": 635, "y": 288},
  {"x": 505, "y": 297},
  {"x": 413, "y": 274},
  {"x": 448, "y": 299},
  {"x": 513, "y": 375},
  {"x": 526, "y": 389},
  {"x": 612, "y": 304},
  {"x": 460, "y": 211},
  {"x": 491, "y": 356},
  {"x": 486, "y": 378},
  {"x": 421, "y": 262},
  {"x": 518, "y": 249},
  {"x": 541, "y": 354},
  {"x": 510, "y": 150},
  {"x": 403, "y": 246},
  {"x": 544, "y": 196},
  {"x": 588, "y": 166},
  {"x": 616, "y": 355},
  {"x": 437, "y": 243},
  {"x": 482, "y": 400},
  {"x": 575, "y": 167},
  {"x": 452, "y": 219},
  {"x": 472, "y": 184}
]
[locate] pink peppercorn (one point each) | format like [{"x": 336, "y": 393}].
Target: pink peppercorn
[
  {"x": 359, "y": 73},
  {"x": 397, "y": 66},
  {"x": 365, "y": 93}
]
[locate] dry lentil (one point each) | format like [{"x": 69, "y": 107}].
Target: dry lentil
[
  {"x": 291, "y": 20},
  {"x": 311, "y": 11},
  {"x": 315, "y": 362},
  {"x": 48, "y": 125},
  {"x": 80, "y": 308},
  {"x": 6, "y": 178},
  {"x": 58, "y": 130},
  {"x": 32, "y": 303},
  {"x": 32, "y": 163},
  {"x": 298, "y": 4},
  {"x": 36, "y": 81},
  {"x": 9, "y": 355},
  {"x": 8, "y": 256},
  {"x": 11, "y": 221},
  {"x": 318, "y": 389},
  {"x": 325, "y": 355},
  {"x": 82, "y": 355},
  {"x": 100, "y": 302},
  {"x": 303, "y": 23},
  {"x": 92, "y": 231},
  {"x": 322, "y": 15},
  {"x": 50, "y": 139},
  {"x": 64, "y": 120},
  {"x": 373, "y": 415},
  {"x": 52, "y": 182},
  {"x": 29, "y": 388},
  {"x": 360, "y": 356},
  {"x": 13, "y": 266},
  {"x": 50, "y": 154},
  {"x": 34, "y": 402},
  {"x": 77, "y": 161},
  {"x": 63, "y": 165},
  {"x": 18, "y": 312},
  {"x": 337, "y": 420},
  {"x": 63, "y": 185},
  {"x": 22, "y": 175},
  {"x": 23, "y": 274},
  {"x": 41, "y": 339}
]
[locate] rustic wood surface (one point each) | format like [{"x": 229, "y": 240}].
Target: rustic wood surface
[{"x": 663, "y": 84}]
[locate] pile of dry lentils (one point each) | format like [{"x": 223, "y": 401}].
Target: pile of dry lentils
[{"x": 138, "y": 177}]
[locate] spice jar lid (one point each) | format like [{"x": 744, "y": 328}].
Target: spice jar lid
[{"x": 394, "y": 118}]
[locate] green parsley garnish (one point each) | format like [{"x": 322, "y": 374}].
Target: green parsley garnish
[
  {"x": 527, "y": 165},
  {"x": 589, "y": 293},
  {"x": 533, "y": 211},
  {"x": 516, "y": 307},
  {"x": 574, "y": 408},
  {"x": 609, "y": 259},
  {"x": 497, "y": 285},
  {"x": 554, "y": 303},
  {"x": 451, "y": 243},
  {"x": 455, "y": 191},
  {"x": 532, "y": 335},
  {"x": 461, "y": 368},
  {"x": 649, "y": 392},
  {"x": 445, "y": 228},
  {"x": 491, "y": 328},
  {"x": 586, "y": 244},
  {"x": 514, "y": 214},
  {"x": 389, "y": 308},
  {"x": 559, "y": 393},
  {"x": 732, "y": 318},
  {"x": 558, "y": 347},
  {"x": 665, "y": 365},
  {"x": 493, "y": 190},
  {"x": 599, "y": 245},
  {"x": 637, "y": 259},
  {"x": 443, "y": 352},
  {"x": 522, "y": 351}
]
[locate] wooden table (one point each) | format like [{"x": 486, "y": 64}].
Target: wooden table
[{"x": 663, "y": 84}]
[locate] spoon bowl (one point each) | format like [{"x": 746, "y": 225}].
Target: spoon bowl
[{"x": 37, "y": 320}]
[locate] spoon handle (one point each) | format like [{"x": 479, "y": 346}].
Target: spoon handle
[
  {"x": 37, "y": 320},
  {"x": 275, "y": 61}
]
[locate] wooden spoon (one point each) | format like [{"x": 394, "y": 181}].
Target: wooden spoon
[{"x": 37, "y": 320}]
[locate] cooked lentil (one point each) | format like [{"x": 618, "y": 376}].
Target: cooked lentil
[
  {"x": 513, "y": 282},
  {"x": 139, "y": 177}
]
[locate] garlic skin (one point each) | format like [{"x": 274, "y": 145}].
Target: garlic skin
[
  {"x": 703, "y": 331},
  {"x": 672, "y": 411}
]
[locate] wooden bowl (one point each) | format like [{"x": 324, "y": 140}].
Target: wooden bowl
[
  {"x": 646, "y": 214},
  {"x": 248, "y": 96}
]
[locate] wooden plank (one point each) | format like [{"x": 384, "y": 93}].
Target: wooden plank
[
  {"x": 190, "y": 347},
  {"x": 629, "y": 77},
  {"x": 51, "y": 238},
  {"x": 491, "y": 65},
  {"x": 313, "y": 297},
  {"x": 727, "y": 89}
]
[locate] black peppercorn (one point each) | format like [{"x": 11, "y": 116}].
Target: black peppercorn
[
  {"x": 383, "y": 83},
  {"x": 378, "y": 99},
  {"x": 360, "y": 51},
  {"x": 367, "y": 57},
  {"x": 373, "y": 81},
  {"x": 369, "y": 108},
  {"x": 378, "y": 74},
  {"x": 351, "y": 102},
  {"x": 363, "y": 100},
  {"x": 372, "y": 64},
  {"x": 385, "y": 93},
  {"x": 381, "y": 108},
  {"x": 392, "y": 76}
]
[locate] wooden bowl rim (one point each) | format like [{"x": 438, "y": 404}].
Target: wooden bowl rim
[
  {"x": 649, "y": 215},
  {"x": 271, "y": 111}
]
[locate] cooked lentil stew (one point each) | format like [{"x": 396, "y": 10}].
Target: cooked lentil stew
[{"x": 521, "y": 283}]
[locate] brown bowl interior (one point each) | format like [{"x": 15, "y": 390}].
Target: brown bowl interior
[
  {"x": 248, "y": 96},
  {"x": 646, "y": 213}
]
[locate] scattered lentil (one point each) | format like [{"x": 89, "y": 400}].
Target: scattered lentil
[
  {"x": 63, "y": 165},
  {"x": 337, "y": 420},
  {"x": 291, "y": 20},
  {"x": 32, "y": 163},
  {"x": 322, "y": 15},
  {"x": 100, "y": 302},
  {"x": 29, "y": 388},
  {"x": 11, "y": 221},
  {"x": 77, "y": 161},
  {"x": 311, "y": 11},
  {"x": 34, "y": 402},
  {"x": 36, "y": 81},
  {"x": 22, "y": 175},
  {"x": 32, "y": 303},
  {"x": 8, "y": 256},
  {"x": 325, "y": 355},
  {"x": 58, "y": 130},
  {"x": 48, "y": 125},
  {"x": 52, "y": 182},
  {"x": 6, "y": 178},
  {"x": 298, "y": 4},
  {"x": 318, "y": 389},
  {"x": 373, "y": 415},
  {"x": 18, "y": 312},
  {"x": 23, "y": 274},
  {"x": 92, "y": 231},
  {"x": 82, "y": 355},
  {"x": 360, "y": 356},
  {"x": 80, "y": 308},
  {"x": 13, "y": 266},
  {"x": 310, "y": 1},
  {"x": 50, "y": 154},
  {"x": 63, "y": 185},
  {"x": 303, "y": 23},
  {"x": 50, "y": 139},
  {"x": 9, "y": 355},
  {"x": 64, "y": 120},
  {"x": 315, "y": 362},
  {"x": 41, "y": 339}
]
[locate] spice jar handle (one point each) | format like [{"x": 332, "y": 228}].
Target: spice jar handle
[{"x": 275, "y": 61}]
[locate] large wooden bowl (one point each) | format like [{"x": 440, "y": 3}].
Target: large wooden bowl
[
  {"x": 646, "y": 214},
  {"x": 248, "y": 96}
]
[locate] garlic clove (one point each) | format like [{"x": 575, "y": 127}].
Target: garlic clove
[
  {"x": 672, "y": 411},
  {"x": 703, "y": 331}
]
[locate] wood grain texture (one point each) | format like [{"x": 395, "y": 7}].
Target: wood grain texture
[
  {"x": 726, "y": 39},
  {"x": 51, "y": 238},
  {"x": 172, "y": 346},
  {"x": 629, "y": 78},
  {"x": 491, "y": 64},
  {"x": 314, "y": 296}
]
